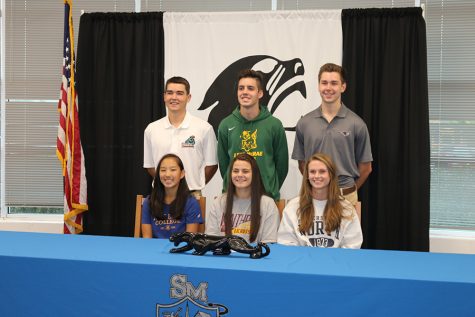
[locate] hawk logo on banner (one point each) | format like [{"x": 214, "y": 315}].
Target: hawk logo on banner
[
  {"x": 189, "y": 300},
  {"x": 281, "y": 78}
]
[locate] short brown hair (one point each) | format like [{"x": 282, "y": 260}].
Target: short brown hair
[
  {"x": 332, "y": 68},
  {"x": 249, "y": 73},
  {"x": 179, "y": 80}
]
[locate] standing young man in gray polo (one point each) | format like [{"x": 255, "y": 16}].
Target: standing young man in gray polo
[{"x": 337, "y": 131}]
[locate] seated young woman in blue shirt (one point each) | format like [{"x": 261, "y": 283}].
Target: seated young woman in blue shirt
[{"x": 170, "y": 208}]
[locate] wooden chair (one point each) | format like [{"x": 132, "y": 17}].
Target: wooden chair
[
  {"x": 138, "y": 215},
  {"x": 280, "y": 206},
  {"x": 203, "y": 213}
]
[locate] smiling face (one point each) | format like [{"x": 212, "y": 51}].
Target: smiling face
[
  {"x": 241, "y": 174},
  {"x": 318, "y": 175},
  {"x": 170, "y": 173},
  {"x": 249, "y": 93},
  {"x": 331, "y": 87},
  {"x": 176, "y": 97}
]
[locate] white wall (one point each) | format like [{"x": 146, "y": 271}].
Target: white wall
[
  {"x": 452, "y": 241},
  {"x": 49, "y": 224}
]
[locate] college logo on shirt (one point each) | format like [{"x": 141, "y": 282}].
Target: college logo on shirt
[
  {"x": 249, "y": 140},
  {"x": 322, "y": 242},
  {"x": 166, "y": 224},
  {"x": 318, "y": 237},
  {"x": 192, "y": 301},
  {"x": 241, "y": 224},
  {"x": 190, "y": 142}
]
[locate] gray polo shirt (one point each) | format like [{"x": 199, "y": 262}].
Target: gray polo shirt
[{"x": 345, "y": 140}]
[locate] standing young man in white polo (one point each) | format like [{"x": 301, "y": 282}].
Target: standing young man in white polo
[{"x": 187, "y": 136}]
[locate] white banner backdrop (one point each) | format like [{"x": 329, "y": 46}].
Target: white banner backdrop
[{"x": 209, "y": 49}]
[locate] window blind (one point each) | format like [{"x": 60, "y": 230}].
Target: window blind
[
  {"x": 33, "y": 67},
  {"x": 451, "y": 60}
]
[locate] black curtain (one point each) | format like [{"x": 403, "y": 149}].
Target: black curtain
[
  {"x": 385, "y": 54},
  {"x": 120, "y": 84}
]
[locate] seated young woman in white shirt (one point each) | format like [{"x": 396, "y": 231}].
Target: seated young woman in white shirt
[
  {"x": 244, "y": 210},
  {"x": 320, "y": 216}
]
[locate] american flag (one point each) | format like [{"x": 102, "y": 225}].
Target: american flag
[{"x": 68, "y": 147}]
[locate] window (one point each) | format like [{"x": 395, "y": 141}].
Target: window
[
  {"x": 33, "y": 64},
  {"x": 205, "y": 5},
  {"x": 451, "y": 60}
]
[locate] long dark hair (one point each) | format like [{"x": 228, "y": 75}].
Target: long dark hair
[
  {"x": 333, "y": 212},
  {"x": 257, "y": 190},
  {"x": 157, "y": 198}
]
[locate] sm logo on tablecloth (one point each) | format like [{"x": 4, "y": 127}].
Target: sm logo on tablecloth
[{"x": 192, "y": 301}]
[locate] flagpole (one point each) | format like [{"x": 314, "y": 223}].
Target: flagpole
[{"x": 69, "y": 148}]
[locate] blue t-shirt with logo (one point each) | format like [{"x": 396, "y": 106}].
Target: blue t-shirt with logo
[{"x": 163, "y": 229}]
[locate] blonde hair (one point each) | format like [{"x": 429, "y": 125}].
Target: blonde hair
[{"x": 333, "y": 212}]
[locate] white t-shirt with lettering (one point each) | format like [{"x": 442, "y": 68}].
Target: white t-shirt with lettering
[
  {"x": 241, "y": 218},
  {"x": 348, "y": 235}
]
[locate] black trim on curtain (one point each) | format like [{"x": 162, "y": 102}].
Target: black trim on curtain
[
  {"x": 385, "y": 54},
  {"x": 120, "y": 64}
]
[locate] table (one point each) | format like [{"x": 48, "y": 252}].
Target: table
[{"x": 78, "y": 275}]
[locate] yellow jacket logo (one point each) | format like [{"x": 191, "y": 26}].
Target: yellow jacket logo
[{"x": 249, "y": 140}]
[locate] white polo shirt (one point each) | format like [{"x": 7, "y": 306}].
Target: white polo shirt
[{"x": 193, "y": 141}]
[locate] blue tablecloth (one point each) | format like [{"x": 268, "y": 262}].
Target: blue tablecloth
[{"x": 53, "y": 275}]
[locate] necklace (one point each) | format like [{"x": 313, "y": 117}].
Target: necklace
[{"x": 242, "y": 206}]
